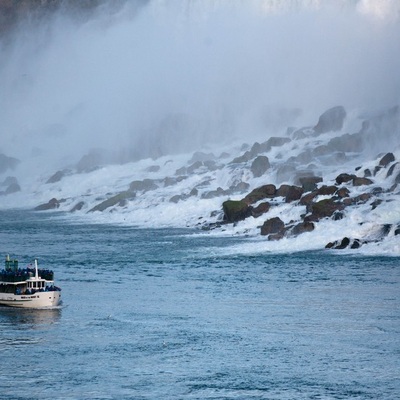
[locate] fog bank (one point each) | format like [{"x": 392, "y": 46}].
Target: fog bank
[{"x": 150, "y": 78}]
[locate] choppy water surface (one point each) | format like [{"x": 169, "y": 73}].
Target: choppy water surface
[{"x": 160, "y": 314}]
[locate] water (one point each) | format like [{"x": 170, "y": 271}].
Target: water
[{"x": 163, "y": 314}]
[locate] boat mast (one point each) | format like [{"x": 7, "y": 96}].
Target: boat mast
[{"x": 36, "y": 270}]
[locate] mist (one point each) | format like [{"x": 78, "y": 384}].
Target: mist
[{"x": 158, "y": 77}]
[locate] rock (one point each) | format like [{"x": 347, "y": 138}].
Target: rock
[
  {"x": 273, "y": 225},
  {"x": 285, "y": 172},
  {"x": 352, "y": 143},
  {"x": 276, "y": 236},
  {"x": 177, "y": 198},
  {"x": 331, "y": 120},
  {"x": 386, "y": 159},
  {"x": 78, "y": 206},
  {"x": 290, "y": 192},
  {"x": 153, "y": 168},
  {"x": 377, "y": 169},
  {"x": 367, "y": 173},
  {"x": 195, "y": 166},
  {"x": 51, "y": 205},
  {"x": 239, "y": 187},
  {"x": 201, "y": 156},
  {"x": 304, "y": 157},
  {"x": 214, "y": 193},
  {"x": 119, "y": 199},
  {"x": 309, "y": 183},
  {"x": 375, "y": 203},
  {"x": 56, "y": 177},
  {"x": 397, "y": 230},
  {"x": 343, "y": 192},
  {"x": 181, "y": 171},
  {"x": 277, "y": 141},
  {"x": 7, "y": 163},
  {"x": 321, "y": 150},
  {"x": 260, "y": 209},
  {"x": 308, "y": 198},
  {"x": 391, "y": 169},
  {"x": 235, "y": 210},
  {"x": 386, "y": 228},
  {"x": 293, "y": 193},
  {"x": 259, "y": 166},
  {"x": 356, "y": 244},
  {"x": 344, "y": 178},
  {"x": 9, "y": 181},
  {"x": 91, "y": 161},
  {"x": 327, "y": 190},
  {"x": 361, "y": 199},
  {"x": 357, "y": 181},
  {"x": 397, "y": 180},
  {"x": 247, "y": 156},
  {"x": 343, "y": 244},
  {"x": 262, "y": 192},
  {"x": 12, "y": 188},
  {"x": 305, "y": 226},
  {"x": 322, "y": 209},
  {"x": 170, "y": 181},
  {"x": 144, "y": 185}
]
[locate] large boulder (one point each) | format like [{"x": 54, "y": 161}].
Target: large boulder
[
  {"x": 306, "y": 226},
  {"x": 56, "y": 177},
  {"x": 344, "y": 178},
  {"x": 357, "y": 181},
  {"x": 260, "y": 209},
  {"x": 144, "y": 185},
  {"x": 331, "y": 120},
  {"x": 78, "y": 206},
  {"x": 259, "y": 166},
  {"x": 286, "y": 172},
  {"x": 273, "y": 226},
  {"x": 50, "y": 205},
  {"x": 309, "y": 183},
  {"x": 347, "y": 143},
  {"x": 260, "y": 193},
  {"x": 327, "y": 190},
  {"x": 235, "y": 210},
  {"x": 322, "y": 209},
  {"x": 13, "y": 188},
  {"x": 290, "y": 192},
  {"x": 386, "y": 159},
  {"x": 391, "y": 169},
  {"x": 277, "y": 141},
  {"x": 119, "y": 199},
  {"x": 91, "y": 161}
]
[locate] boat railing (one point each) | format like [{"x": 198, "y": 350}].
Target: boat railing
[{"x": 23, "y": 274}]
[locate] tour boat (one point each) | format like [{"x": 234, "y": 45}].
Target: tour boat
[{"x": 28, "y": 287}]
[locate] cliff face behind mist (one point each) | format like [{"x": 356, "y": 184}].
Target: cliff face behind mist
[{"x": 14, "y": 12}]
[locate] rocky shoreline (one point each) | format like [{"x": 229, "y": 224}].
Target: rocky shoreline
[{"x": 313, "y": 180}]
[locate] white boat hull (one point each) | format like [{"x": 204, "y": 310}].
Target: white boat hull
[{"x": 37, "y": 300}]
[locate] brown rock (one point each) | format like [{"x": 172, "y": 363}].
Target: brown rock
[
  {"x": 343, "y": 192},
  {"x": 235, "y": 210},
  {"x": 343, "y": 178},
  {"x": 273, "y": 226},
  {"x": 386, "y": 159},
  {"x": 262, "y": 192},
  {"x": 294, "y": 193},
  {"x": 357, "y": 181},
  {"x": 305, "y": 226},
  {"x": 260, "y": 209},
  {"x": 322, "y": 209}
]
